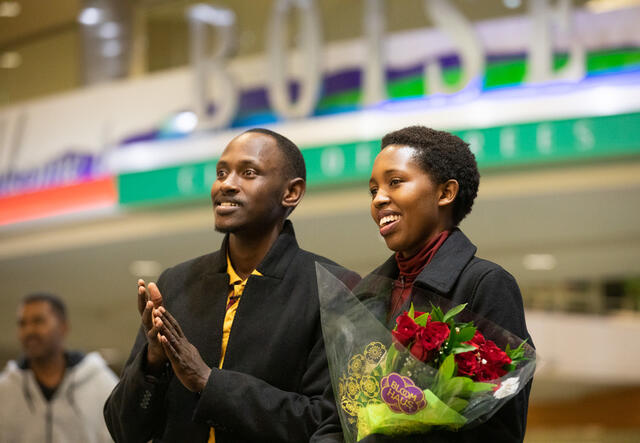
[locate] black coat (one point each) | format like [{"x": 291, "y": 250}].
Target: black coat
[
  {"x": 455, "y": 273},
  {"x": 275, "y": 370}
]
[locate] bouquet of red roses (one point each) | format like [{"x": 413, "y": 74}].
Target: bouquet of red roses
[{"x": 442, "y": 368}]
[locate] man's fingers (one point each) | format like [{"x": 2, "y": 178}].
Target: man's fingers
[
  {"x": 169, "y": 350},
  {"x": 154, "y": 295},
  {"x": 142, "y": 296},
  {"x": 147, "y": 320},
  {"x": 166, "y": 328},
  {"x": 172, "y": 322}
]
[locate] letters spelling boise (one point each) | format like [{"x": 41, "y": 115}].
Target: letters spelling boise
[{"x": 438, "y": 372}]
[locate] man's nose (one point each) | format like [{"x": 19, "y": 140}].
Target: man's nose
[{"x": 230, "y": 184}]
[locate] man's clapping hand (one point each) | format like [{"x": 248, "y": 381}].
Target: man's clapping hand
[
  {"x": 185, "y": 359},
  {"x": 149, "y": 298}
]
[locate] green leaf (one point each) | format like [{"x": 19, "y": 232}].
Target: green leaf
[
  {"x": 436, "y": 313},
  {"x": 392, "y": 353},
  {"x": 453, "y": 312},
  {"x": 422, "y": 320},
  {"x": 482, "y": 387},
  {"x": 412, "y": 312},
  {"x": 459, "y": 349},
  {"x": 447, "y": 368},
  {"x": 517, "y": 354},
  {"x": 466, "y": 333}
]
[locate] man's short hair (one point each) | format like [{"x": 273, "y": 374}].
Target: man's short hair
[
  {"x": 56, "y": 303},
  {"x": 294, "y": 166},
  {"x": 443, "y": 156}
]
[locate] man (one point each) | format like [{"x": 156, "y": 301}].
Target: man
[
  {"x": 52, "y": 395},
  {"x": 231, "y": 348}
]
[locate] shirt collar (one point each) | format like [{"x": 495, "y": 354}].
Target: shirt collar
[{"x": 234, "y": 278}]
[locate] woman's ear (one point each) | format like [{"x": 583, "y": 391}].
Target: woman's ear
[
  {"x": 294, "y": 193},
  {"x": 448, "y": 192}
]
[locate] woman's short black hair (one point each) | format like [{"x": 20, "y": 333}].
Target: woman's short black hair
[
  {"x": 294, "y": 166},
  {"x": 443, "y": 156}
]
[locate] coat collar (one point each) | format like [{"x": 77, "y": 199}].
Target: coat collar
[
  {"x": 447, "y": 264},
  {"x": 445, "y": 267},
  {"x": 274, "y": 264}
]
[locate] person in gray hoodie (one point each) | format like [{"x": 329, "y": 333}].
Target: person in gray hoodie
[{"x": 52, "y": 395}]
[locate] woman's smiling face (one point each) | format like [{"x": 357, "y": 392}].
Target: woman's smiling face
[{"x": 407, "y": 205}]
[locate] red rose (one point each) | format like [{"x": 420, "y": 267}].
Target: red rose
[
  {"x": 494, "y": 355},
  {"x": 436, "y": 333},
  {"x": 429, "y": 339},
  {"x": 492, "y": 360},
  {"x": 418, "y": 348},
  {"x": 405, "y": 329},
  {"x": 467, "y": 363},
  {"x": 486, "y": 373},
  {"x": 477, "y": 340}
]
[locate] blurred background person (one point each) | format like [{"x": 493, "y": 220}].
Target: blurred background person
[
  {"x": 113, "y": 114},
  {"x": 52, "y": 394}
]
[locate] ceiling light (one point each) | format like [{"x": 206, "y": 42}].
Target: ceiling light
[
  {"x": 539, "y": 262},
  {"x": 512, "y": 4},
  {"x": 90, "y": 16},
  {"x": 211, "y": 14},
  {"x": 109, "y": 30},
  {"x": 10, "y": 60},
  {"x": 186, "y": 121},
  {"x": 598, "y": 6},
  {"x": 10, "y": 9}
]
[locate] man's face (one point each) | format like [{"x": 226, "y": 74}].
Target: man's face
[
  {"x": 247, "y": 194},
  {"x": 405, "y": 200},
  {"x": 40, "y": 330}
]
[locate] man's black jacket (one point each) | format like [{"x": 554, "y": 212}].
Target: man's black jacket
[
  {"x": 275, "y": 370},
  {"x": 456, "y": 274}
]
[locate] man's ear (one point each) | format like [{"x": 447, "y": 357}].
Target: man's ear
[
  {"x": 294, "y": 193},
  {"x": 448, "y": 192}
]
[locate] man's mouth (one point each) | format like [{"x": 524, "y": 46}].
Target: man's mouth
[{"x": 223, "y": 208}]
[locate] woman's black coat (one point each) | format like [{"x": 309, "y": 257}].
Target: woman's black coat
[{"x": 456, "y": 274}]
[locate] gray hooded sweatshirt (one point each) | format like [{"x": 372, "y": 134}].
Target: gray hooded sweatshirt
[{"x": 73, "y": 414}]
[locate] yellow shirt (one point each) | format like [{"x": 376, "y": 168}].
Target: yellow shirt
[{"x": 237, "y": 289}]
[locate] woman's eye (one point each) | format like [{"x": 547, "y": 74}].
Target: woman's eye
[
  {"x": 395, "y": 181},
  {"x": 373, "y": 192}
]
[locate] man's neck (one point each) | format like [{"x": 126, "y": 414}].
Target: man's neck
[
  {"x": 247, "y": 251},
  {"x": 49, "y": 370}
]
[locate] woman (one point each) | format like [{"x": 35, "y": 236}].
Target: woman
[{"x": 422, "y": 185}]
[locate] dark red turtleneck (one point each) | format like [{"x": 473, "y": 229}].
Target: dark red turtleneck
[{"x": 410, "y": 268}]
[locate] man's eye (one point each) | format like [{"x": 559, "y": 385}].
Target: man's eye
[
  {"x": 250, "y": 172},
  {"x": 221, "y": 173}
]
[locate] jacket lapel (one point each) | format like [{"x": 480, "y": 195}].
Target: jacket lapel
[
  {"x": 206, "y": 308},
  {"x": 255, "y": 301},
  {"x": 444, "y": 269}
]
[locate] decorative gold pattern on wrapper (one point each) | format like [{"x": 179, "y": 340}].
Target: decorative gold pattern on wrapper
[
  {"x": 369, "y": 386},
  {"x": 374, "y": 352},
  {"x": 358, "y": 387},
  {"x": 353, "y": 388},
  {"x": 356, "y": 365}
]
